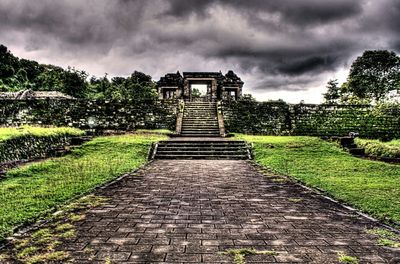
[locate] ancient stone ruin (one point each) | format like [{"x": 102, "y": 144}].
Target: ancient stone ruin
[{"x": 218, "y": 86}]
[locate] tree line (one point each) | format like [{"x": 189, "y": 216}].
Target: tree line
[
  {"x": 374, "y": 77},
  {"x": 20, "y": 74}
]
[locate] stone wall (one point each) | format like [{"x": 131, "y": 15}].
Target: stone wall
[
  {"x": 116, "y": 115},
  {"x": 267, "y": 118},
  {"x": 279, "y": 118}
]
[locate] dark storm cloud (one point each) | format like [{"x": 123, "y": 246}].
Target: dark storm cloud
[
  {"x": 299, "y": 12},
  {"x": 97, "y": 24},
  {"x": 275, "y": 45}
]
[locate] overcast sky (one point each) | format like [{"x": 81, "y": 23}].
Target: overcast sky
[{"x": 281, "y": 49}]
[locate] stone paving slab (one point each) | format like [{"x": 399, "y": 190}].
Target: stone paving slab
[
  {"x": 184, "y": 211},
  {"x": 200, "y": 138}
]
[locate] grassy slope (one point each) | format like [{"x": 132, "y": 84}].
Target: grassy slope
[
  {"x": 373, "y": 187},
  {"x": 12, "y": 132},
  {"x": 28, "y": 192}
]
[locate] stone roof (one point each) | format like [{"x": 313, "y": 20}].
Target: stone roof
[
  {"x": 176, "y": 79},
  {"x": 29, "y": 94},
  {"x": 232, "y": 78},
  {"x": 171, "y": 79},
  {"x": 217, "y": 75}
]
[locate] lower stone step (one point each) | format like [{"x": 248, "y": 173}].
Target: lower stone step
[
  {"x": 200, "y": 131},
  {"x": 180, "y": 148},
  {"x": 199, "y": 135},
  {"x": 190, "y": 157},
  {"x": 202, "y": 152},
  {"x": 357, "y": 151}
]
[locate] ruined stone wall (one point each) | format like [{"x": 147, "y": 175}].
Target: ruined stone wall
[
  {"x": 275, "y": 118},
  {"x": 116, "y": 115}
]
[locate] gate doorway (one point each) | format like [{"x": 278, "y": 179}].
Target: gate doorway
[{"x": 200, "y": 91}]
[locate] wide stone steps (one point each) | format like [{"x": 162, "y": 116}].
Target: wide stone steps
[
  {"x": 199, "y": 117},
  {"x": 200, "y": 137},
  {"x": 203, "y": 126},
  {"x": 200, "y": 130},
  {"x": 200, "y": 120},
  {"x": 208, "y": 143},
  {"x": 202, "y": 157},
  {"x": 202, "y": 150}
]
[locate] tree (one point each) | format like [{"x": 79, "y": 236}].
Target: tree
[
  {"x": 18, "y": 74},
  {"x": 75, "y": 82},
  {"x": 248, "y": 97},
  {"x": 32, "y": 68},
  {"x": 138, "y": 86},
  {"x": 50, "y": 79},
  {"x": 374, "y": 75},
  {"x": 8, "y": 63},
  {"x": 196, "y": 93},
  {"x": 332, "y": 96}
]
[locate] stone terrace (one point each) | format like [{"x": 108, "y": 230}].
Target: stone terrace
[{"x": 188, "y": 212}]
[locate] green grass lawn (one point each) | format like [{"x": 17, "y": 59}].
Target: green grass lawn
[
  {"x": 30, "y": 192},
  {"x": 390, "y": 149},
  {"x": 371, "y": 186},
  {"x": 13, "y": 132}
]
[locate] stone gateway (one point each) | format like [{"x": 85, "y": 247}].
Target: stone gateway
[{"x": 184, "y": 86}]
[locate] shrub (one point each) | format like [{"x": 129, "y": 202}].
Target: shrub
[
  {"x": 33, "y": 142},
  {"x": 380, "y": 149}
]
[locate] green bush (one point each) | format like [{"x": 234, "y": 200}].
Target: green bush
[
  {"x": 380, "y": 149},
  {"x": 33, "y": 142}
]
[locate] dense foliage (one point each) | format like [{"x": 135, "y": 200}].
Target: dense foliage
[
  {"x": 333, "y": 94},
  {"x": 20, "y": 74},
  {"x": 374, "y": 77},
  {"x": 370, "y": 186}
]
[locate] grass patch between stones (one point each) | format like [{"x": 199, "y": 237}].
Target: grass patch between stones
[
  {"x": 385, "y": 237},
  {"x": 343, "y": 258},
  {"x": 40, "y": 245},
  {"x": 239, "y": 255}
]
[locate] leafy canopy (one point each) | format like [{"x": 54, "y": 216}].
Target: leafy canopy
[
  {"x": 20, "y": 74},
  {"x": 374, "y": 75}
]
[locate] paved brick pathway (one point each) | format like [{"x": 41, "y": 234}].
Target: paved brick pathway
[{"x": 188, "y": 211}]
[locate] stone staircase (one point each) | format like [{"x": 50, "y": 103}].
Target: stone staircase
[
  {"x": 200, "y": 137},
  {"x": 200, "y": 120},
  {"x": 198, "y": 149},
  {"x": 348, "y": 144}
]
